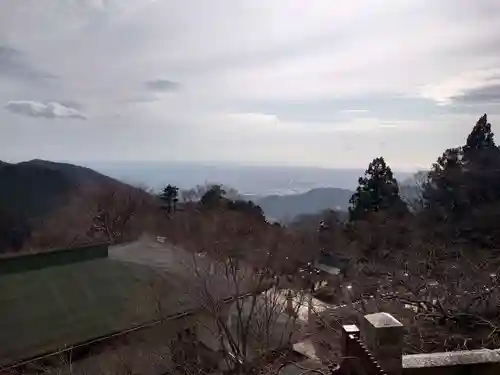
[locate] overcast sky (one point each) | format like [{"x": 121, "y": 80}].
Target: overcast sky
[{"x": 326, "y": 83}]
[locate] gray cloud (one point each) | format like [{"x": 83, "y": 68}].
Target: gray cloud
[
  {"x": 162, "y": 85},
  {"x": 485, "y": 95},
  {"x": 142, "y": 99},
  {"x": 50, "y": 110},
  {"x": 178, "y": 68},
  {"x": 13, "y": 64},
  {"x": 393, "y": 107},
  {"x": 69, "y": 103}
]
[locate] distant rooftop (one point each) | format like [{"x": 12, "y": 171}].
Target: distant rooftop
[
  {"x": 28, "y": 261},
  {"x": 57, "y": 299}
]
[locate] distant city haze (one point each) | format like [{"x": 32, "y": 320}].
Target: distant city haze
[{"x": 254, "y": 180}]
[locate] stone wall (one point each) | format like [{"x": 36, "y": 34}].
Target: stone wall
[
  {"x": 382, "y": 335},
  {"x": 480, "y": 362}
]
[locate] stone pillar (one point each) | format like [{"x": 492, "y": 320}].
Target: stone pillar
[
  {"x": 383, "y": 336},
  {"x": 348, "y": 330}
]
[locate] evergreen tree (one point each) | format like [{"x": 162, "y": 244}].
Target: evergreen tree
[
  {"x": 442, "y": 192},
  {"x": 464, "y": 184},
  {"x": 377, "y": 190},
  {"x": 465, "y": 177},
  {"x": 481, "y": 160},
  {"x": 480, "y": 140},
  {"x": 247, "y": 207},
  {"x": 170, "y": 197},
  {"x": 213, "y": 196}
]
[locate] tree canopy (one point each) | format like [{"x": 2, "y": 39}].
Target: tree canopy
[
  {"x": 248, "y": 207},
  {"x": 170, "y": 197},
  {"x": 377, "y": 190},
  {"x": 213, "y": 196},
  {"x": 464, "y": 184}
]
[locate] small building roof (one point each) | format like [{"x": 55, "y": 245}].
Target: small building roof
[
  {"x": 331, "y": 263},
  {"x": 55, "y": 306}
]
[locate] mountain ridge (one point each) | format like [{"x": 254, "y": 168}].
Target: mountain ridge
[
  {"x": 32, "y": 189},
  {"x": 287, "y": 207}
]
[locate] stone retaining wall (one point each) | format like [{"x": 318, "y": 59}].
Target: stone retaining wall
[{"x": 382, "y": 335}]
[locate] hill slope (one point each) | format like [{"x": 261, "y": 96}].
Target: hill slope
[
  {"x": 32, "y": 188},
  {"x": 286, "y": 207},
  {"x": 35, "y": 188}
]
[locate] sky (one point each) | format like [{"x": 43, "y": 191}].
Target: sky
[{"x": 322, "y": 83}]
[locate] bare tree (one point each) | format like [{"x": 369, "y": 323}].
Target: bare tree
[
  {"x": 248, "y": 283},
  {"x": 67, "y": 226},
  {"x": 454, "y": 297},
  {"x": 413, "y": 191},
  {"x": 97, "y": 214},
  {"x": 445, "y": 295},
  {"x": 260, "y": 315}
]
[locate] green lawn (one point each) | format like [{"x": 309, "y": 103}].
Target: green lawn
[{"x": 48, "y": 309}]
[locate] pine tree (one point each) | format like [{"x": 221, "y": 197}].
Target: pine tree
[
  {"x": 170, "y": 197},
  {"x": 480, "y": 139},
  {"x": 464, "y": 184},
  {"x": 378, "y": 190},
  {"x": 213, "y": 196},
  {"x": 481, "y": 159},
  {"x": 442, "y": 192},
  {"x": 466, "y": 176}
]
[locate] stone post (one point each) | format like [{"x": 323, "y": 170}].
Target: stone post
[
  {"x": 348, "y": 330},
  {"x": 383, "y": 336}
]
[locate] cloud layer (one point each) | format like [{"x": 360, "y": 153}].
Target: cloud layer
[
  {"x": 13, "y": 65},
  {"x": 324, "y": 83},
  {"x": 51, "y": 110}
]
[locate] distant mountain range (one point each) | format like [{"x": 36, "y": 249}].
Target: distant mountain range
[
  {"x": 35, "y": 188},
  {"x": 284, "y": 208},
  {"x": 247, "y": 180}
]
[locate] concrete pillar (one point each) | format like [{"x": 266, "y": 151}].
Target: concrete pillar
[
  {"x": 383, "y": 336},
  {"x": 348, "y": 330}
]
